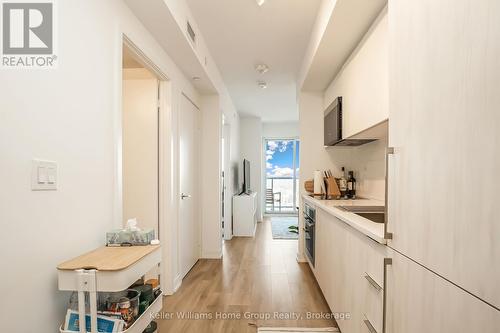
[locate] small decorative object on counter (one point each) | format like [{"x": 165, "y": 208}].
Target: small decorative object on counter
[
  {"x": 309, "y": 186},
  {"x": 343, "y": 184},
  {"x": 351, "y": 185},
  {"x": 319, "y": 183},
  {"x": 332, "y": 189},
  {"x": 130, "y": 236},
  {"x": 152, "y": 328}
]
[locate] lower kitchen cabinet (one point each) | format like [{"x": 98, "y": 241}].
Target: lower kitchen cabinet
[
  {"x": 349, "y": 269},
  {"x": 420, "y": 301}
]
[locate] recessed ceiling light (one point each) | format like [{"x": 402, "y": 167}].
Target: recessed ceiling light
[
  {"x": 260, "y": 2},
  {"x": 262, "y": 68},
  {"x": 196, "y": 78},
  {"x": 262, "y": 84}
]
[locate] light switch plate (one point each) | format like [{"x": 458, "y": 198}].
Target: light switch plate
[{"x": 43, "y": 175}]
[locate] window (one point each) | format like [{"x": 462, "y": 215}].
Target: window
[{"x": 281, "y": 172}]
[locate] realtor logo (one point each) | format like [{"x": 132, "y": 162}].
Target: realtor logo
[{"x": 28, "y": 34}]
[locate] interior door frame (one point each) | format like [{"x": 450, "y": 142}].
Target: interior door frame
[
  {"x": 166, "y": 185},
  {"x": 264, "y": 175},
  {"x": 226, "y": 168},
  {"x": 180, "y": 276}
]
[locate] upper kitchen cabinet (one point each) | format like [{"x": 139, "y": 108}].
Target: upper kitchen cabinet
[
  {"x": 363, "y": 82},
  {"x": 444, "y": 121}
]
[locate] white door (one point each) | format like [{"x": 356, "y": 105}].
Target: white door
[{"x": 189, "y": 226}]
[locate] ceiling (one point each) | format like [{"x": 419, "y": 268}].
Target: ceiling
[
  {"x": 240, "y": 34},
  {"x": 158, "y": 19},
  {"x": 350, "y": 21}
]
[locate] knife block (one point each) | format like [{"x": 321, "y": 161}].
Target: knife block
[{"x": 332, "y": 188}]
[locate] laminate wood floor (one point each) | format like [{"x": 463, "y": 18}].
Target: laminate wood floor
[{"x": 257, "y": 283}]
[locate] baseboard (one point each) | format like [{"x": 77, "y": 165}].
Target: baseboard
[
  {"x": 301, "y": 258},
  {"x": 177, "y": 283},
  {"x": 211, "y": 255}
]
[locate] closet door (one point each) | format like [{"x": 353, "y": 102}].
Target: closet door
[{"x": 445, "y": 129}]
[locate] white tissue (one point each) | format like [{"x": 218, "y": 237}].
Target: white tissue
[{"x": 132, "y": 225}]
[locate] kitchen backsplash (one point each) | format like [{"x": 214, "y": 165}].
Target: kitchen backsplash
[{"x": 368, "y": 163}]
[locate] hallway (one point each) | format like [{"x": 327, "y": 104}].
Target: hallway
[{"x": 257, "y": 276}]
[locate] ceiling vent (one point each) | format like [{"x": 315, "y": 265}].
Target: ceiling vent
[{"x": 191, "y": 33}]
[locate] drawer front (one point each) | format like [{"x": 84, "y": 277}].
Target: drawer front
[
  {"x": 373, "y": 303},
  {"x": 369, "y": 260}
]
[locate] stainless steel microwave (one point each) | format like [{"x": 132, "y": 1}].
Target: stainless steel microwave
[
  {"x": 333, "y": 128},
  {"x": 333, "y": 122}
]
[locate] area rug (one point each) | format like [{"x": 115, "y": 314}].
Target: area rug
[
  {"x": 296, "y": 329},
  {"x": 280, "y": 227}
]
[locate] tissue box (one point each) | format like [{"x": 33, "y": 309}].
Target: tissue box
[{"x": 129, "y": 237}]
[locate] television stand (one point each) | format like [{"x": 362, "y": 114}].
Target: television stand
[{"x": 245, "y": 214}]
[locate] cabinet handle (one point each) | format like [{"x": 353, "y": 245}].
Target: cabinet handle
[
  {"x": 372, "y": 282},
  {"x": 370, "y": 326},
  {"x": 390, "y": 151},
  {"x": 387, "y": 262}
]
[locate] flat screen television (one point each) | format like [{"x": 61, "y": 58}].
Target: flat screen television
[{"x": 246, "y": 177}]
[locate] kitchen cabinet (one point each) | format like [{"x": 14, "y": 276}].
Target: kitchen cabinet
[
  {"x": 349, "y": 271},
  {"x": 363, "y": 82},
  {"x": 444, "y": 126},
  {"x": 420, "y": 301}
]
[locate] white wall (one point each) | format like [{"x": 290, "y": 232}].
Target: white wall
[
  {"x": 313, "y": 155},
  {"x": 363, "y": 82},
  {"x": 181, "y": 13},
  {"x": 70, "y": 115},
  {"x": 251, "y": 149},
  {"x": 320, "y": 25},
  {"x": 140, "y": 149},
  {"x": 368, "y": 163},
  {"x": 210, "y": 167},
  {"x": 231, "y": 119},
  {"x": 280, "y": 130}
]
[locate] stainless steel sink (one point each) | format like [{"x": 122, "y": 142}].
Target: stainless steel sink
[
  {"x": 375, "y": 217},
  {"x": 372, "y": 213}
]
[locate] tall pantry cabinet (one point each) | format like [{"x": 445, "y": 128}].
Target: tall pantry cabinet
[{"x": 444, "y": 173}]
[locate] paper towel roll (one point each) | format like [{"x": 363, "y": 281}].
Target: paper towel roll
[{"x": 318, "y": 182}]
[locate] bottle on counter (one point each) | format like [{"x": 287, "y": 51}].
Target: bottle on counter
[
  {"x": 351, "y": 185},
  {"x": 343, "y": 185}
]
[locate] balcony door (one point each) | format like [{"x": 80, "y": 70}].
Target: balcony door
[{"x": 281, "y": 176}]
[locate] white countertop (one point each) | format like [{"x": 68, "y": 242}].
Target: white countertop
[{"x": 371, "y": 229}]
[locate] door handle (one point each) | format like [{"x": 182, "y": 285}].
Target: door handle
[
  {"x": 387, "y": 262},
  {"x": 390, "y": 151},
  {"x": 184, "y": 196},
  {"x": 369, "y": 325},
  {"x": 372, "y": 282}
]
